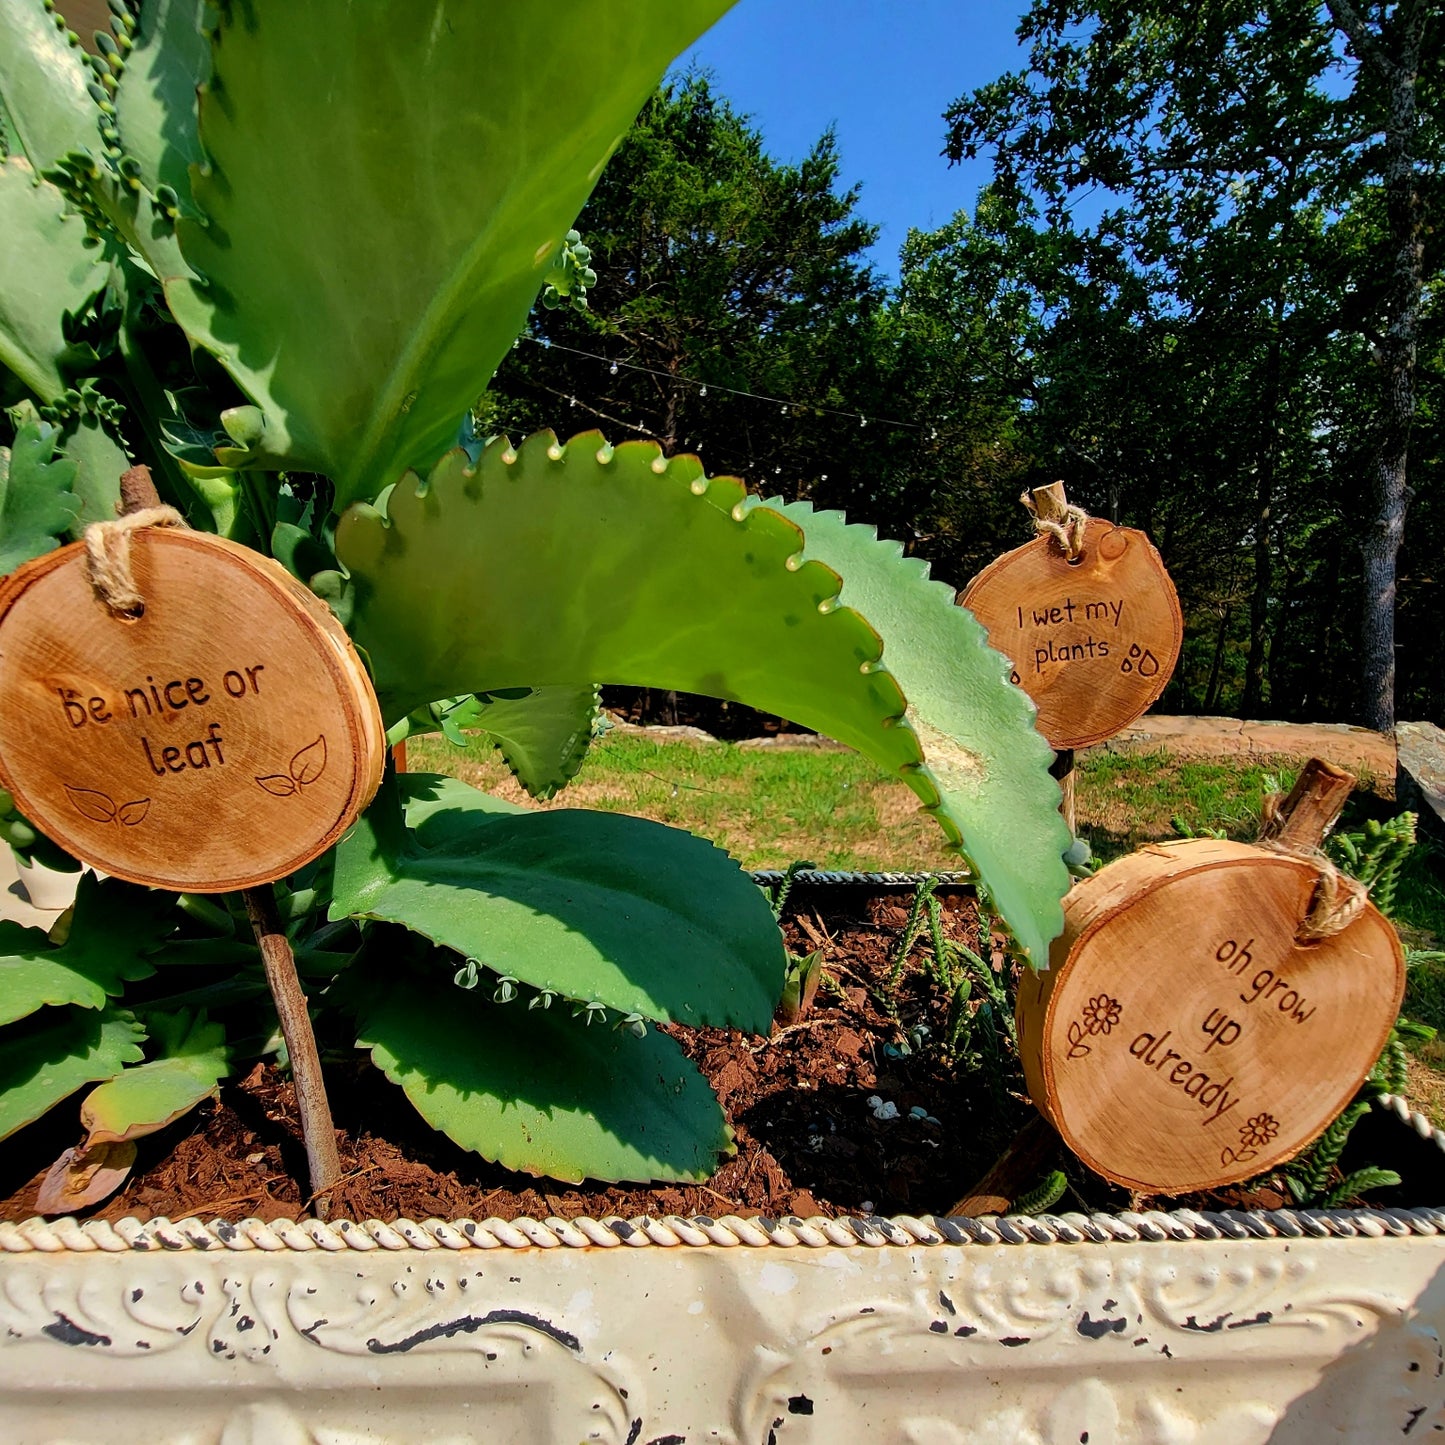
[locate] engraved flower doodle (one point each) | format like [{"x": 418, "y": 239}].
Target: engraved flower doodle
[
  {"x": 1255, "y": 1133},
  {"x": 1099, "y": 1016},
  {"x": 304, "y": 769},
  {"x": 102, "y": 808},
  {"x": 1101, "y": 1013}
]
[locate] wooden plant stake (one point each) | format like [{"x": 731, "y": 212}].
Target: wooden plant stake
[
  {"x": 178, "y": 711},
  {"x": 318, "y": 1132},
  {"x": 1210, "y": 1006},
  {"x": 1089, "y": 617}
]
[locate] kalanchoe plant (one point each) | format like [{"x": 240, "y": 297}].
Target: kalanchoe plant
[{"x": 276, "y": 251}]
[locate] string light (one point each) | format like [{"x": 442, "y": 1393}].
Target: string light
[{"x": 786, "y": 406}]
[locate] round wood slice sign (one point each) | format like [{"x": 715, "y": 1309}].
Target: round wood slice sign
[
  {"x": 1184, "y": 1037},
  {"x": 1093, "y": 641},
  {"x": 223, "y": 738}
]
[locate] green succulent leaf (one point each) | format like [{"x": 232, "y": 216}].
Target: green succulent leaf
[
  {"x": 554, "y": 565},
  {"x": 146, "y": 1097},
  {"x": 534, "y": 1089},
  {"x": 551, "y": 565},
  {"x": 46, "y": 273},
  {"x": 37, "y": 505},
  {"x": 113, "y": 927},
  {"x": 425, "y": 796},
  {"x": 464, "y": 138},
  {"x": 44, "y": 1061},
  {"x": 155, "y": 103},
  {"x": 981, "y": 749},
  {"x": 45, "y": 85},
  {"x": 543, "y": 735},
  {"x": 100, "y": 459},
  {"x": 595, "y": 906}
]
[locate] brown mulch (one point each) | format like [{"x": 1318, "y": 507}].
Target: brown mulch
[{"x": 807, "y": 1140}]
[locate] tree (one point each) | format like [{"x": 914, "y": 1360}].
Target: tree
[
  {"x": 1231, "y": 143},
  {"x": 723, "y": 277}
]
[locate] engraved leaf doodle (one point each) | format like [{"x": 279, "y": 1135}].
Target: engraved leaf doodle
[
  {"x": 305, "y": 767},
  {"x": 310, "y": 762},
  {"x": 132, "y": 813},
  {"x": 99, "y": 807}
]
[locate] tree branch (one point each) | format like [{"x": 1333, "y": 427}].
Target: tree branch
[{"x": 1367, "y": 47}]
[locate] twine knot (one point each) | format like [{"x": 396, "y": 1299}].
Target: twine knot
[
  {"x": 1065, "y": 527},
  {"x": 1337, "y": 899},
  {"x": 107, "y": 547}
]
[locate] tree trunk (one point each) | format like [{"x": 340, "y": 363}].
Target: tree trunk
[
  {"x": 1395, "y": 350},
  {"x": 1211, "y": 690},
  {"x": 1253, "y": 702}
]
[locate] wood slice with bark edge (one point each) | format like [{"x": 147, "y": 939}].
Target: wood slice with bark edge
[
  {"x": 1180, "y": 962},
  {"x": 1112, "y": 650},
  {"x": 223, "y": 739}
]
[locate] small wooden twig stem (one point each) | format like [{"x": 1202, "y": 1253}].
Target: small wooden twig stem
[
  {"x": 317, "y": 1130},
  {"x": 137, "y": 491},
  {"x": 1017, "y": 1170},
  {"x": 1062, "y": 769},
  {"x": 1311, "y": 809},
  {"x": 1054, "y": 517}
]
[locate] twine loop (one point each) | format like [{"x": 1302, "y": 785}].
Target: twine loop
[
  {"x": 107, "y": 547},
  {"x": 1067, "y": 530},
  {"x": 1337, "y": 899}
]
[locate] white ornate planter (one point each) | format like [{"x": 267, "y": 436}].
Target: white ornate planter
[{"x": 1069, "y": 1330}]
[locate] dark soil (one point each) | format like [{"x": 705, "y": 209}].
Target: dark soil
[{"x": 808, "y": 1141}]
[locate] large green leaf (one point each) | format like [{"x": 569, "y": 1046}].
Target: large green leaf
[
  {"x": 144, "y": 1098},
  {"x": 536, "y": 1089},
  {"x": 46, "y": 272},
  {"x": 44, "y": 85},
  {"x": 984, "y": 755},
  {"x": 594, "y": 906},
  {"x": 37, "y": 505},
  {"x": 40, "y": 1066},
  {"x": 155, "y": 103},
  {"x": 553, "y": 565},
  {"x": 371, "y": 247},
  {"x": 113, "y": 927}
]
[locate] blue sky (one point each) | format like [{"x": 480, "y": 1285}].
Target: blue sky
[{"x": 882, "y": 72}]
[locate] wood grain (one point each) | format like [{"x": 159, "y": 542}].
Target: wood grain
[
  {"x": 223, "y": 739},
  {"x": 1182, "y": 1038},
  {"x": 1093, "y": 642}
]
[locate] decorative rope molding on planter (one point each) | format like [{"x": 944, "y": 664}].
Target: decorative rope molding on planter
[{"x": 130, "y": 1235}]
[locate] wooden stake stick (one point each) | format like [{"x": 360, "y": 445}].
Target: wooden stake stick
[
  {"x": 1062, "y": 769},
  {"x": 1051, "y": 503},
  {"x": 138, "y": 492},
  {"x": 317, "y": 1130},
  {"x": 1313, "y": 806},
  {"x": 1017, "y": 1170}
]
